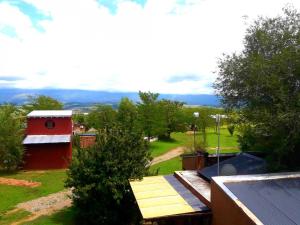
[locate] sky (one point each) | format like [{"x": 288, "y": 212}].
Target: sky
[{"x": 165, "y": 46}]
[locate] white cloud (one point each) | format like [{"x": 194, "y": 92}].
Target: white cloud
[{"x": 138, "y": 48}]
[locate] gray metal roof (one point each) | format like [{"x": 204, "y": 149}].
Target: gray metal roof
[
  {"x": 186, "y": 194},
  {"x": 242, "y": 164},
  {"x": 272, "y": 201},
  {"x": 50, "y": 113},
  {"x": 45, "y": 139}
]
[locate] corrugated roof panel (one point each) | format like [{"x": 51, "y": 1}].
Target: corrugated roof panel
[
  {"x": 50, "y": 113},
  {"x": 161, "y": 196},
  {"x": 45, "y": 139}
]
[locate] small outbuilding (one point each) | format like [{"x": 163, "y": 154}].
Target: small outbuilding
[{"x": 48, "y": 139}]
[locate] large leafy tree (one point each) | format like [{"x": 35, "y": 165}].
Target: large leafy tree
[
  {"x": 127, "y": 114},
  {"x": 11, "y": 135},
  {"x": 42, "y": 102},
  {"x": 263, "y": 82},
  {"x": 172, "y": 114},
  {"x": 100, "y": 176},
  {"x": 102, "y": 117},
  {"x": 150, "y": 117}
]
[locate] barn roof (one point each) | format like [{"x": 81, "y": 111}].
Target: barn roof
[
  {"x": 46, "y": 139},
  {"x": 268, "y": 198},
  {"x": 241, "y": 164},
  {"x": 50, "y": 113}
]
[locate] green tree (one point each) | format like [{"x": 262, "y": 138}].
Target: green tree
[
  {"x": 42, "y": 102},
  {"x": 150, "y": 118},
  {"x": 204, "y": 120},
  {"x": 11, "y": 136},
  {"x": 100, "y": 176},
  {"x": 102, "y": 117},
  {"x": 127, "y": 114},
  {"x": 232, "y": 121},
  {"x": 172, "y": 115},
  {"x": 79, "y": 118},
  {"x": 263, "y": 81}
]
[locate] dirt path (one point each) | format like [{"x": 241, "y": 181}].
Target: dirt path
[
  {"x": 168, "y": 155},
  {"x": 16, "y": 182},
  {"x": 44, "y": 206}
]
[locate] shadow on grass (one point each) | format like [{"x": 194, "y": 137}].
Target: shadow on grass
[
  {"x": 170, "y": 140},
  {"x": 63, "y": 217},
  {"x": 8, "y": 173}
]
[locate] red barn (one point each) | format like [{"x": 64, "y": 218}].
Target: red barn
[{"x": 48, "y": 141}]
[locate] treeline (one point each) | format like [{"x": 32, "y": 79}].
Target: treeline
[
  {"x": 155, "y": 117},
  {"x": 152, "y": 116}
]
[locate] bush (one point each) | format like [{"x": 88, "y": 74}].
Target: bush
[
  {"x": 11, "y": 136},
  {"x": 76, "y": 141},
  {"x": 99, "y": 177}
]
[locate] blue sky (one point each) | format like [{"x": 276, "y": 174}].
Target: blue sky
[
  {"x": 29, "y": 10},
  {"x": 166, "y": 46},
  {"x": 112, "y": 5}
]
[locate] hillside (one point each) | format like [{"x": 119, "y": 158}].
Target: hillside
[{"x": 79, "y": 98}]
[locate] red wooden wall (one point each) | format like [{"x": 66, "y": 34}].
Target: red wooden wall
[
  {"x": 36, "y": 126},
  {"x": 47, "y": 156}
]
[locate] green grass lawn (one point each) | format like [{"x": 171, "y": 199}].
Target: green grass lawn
[
  {"x": 167, "y": 167},
  {"x": 161, "y": 146},
  {"x": 228, "y": 142},
  {"x": 8, "y": 219},
  {"x": 63, "y": 217},
  {"x": 52, "y": 181},
  {"x": 230, "y": 150},
  {"x": 182, "y": 139}
]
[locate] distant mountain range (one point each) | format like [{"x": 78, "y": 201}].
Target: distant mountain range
[{"x": 73, "y": 98}]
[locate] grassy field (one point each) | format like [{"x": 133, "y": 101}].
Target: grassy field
[
  {"x": 52, "y": 181},
  {"x": 226, "y": 140},
  {"x": 183, "y": 139},
  {"x": 228, "y": 144},
  {"x": 63, "y": 217},
  {"x": 167, "y": 167},
  {"x": 160, "y": 147},
  {"x": 17, "y": 216}
]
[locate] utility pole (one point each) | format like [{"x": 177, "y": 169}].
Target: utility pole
[
  {"x": 196, "y": 115},
  {"x": 218, "y": 119}
]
